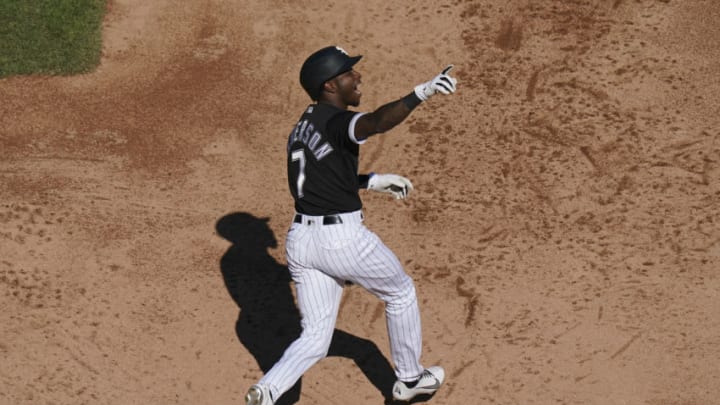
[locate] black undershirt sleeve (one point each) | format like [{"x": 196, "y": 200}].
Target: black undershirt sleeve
[{"x": 363, "y": 180}]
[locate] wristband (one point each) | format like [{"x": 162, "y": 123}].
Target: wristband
[
  {"x": 411, "y": 101},
  {"x": 370, "y": 176}
]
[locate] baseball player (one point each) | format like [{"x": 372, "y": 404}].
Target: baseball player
[{"x": 327, "y": 243}]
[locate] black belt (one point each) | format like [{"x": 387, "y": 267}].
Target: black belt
[{"x": 326, "y": 220}]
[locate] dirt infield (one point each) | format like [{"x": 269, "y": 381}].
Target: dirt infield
[{"x": 564, "y": 234}]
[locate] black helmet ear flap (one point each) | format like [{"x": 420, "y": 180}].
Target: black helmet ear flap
[{"x": 322, "y": 66}]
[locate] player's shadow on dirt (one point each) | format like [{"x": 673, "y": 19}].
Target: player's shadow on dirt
[{"x": 269, "y": 320}]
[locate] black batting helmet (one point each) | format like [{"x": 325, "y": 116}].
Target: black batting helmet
[{"x": 322, "y": 66}]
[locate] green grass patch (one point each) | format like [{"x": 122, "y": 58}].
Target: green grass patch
[{"x": 56, "y": 37}]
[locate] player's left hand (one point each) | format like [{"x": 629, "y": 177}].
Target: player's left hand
[
  {"x": 442, "y": 83},
  {"x": 398, "y": 186}
]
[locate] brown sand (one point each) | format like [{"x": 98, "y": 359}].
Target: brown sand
[{"x": 564, "y": 234}]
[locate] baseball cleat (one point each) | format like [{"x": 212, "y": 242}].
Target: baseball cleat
[
  {"x": 258, "y": 395},
  {"x": 430, "y": 380}
]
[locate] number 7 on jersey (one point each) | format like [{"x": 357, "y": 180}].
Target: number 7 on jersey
[{"x": 299, "y": 155}]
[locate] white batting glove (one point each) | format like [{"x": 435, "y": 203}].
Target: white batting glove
[
  {"x": 442, "y": 83},
  {"x": 396, "y": 185}
]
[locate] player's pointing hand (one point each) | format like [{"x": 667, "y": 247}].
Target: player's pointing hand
[{"x": 442, "y": 83}]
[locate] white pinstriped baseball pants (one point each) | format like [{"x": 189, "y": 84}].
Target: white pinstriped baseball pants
[{"x": 320, "y": 258}]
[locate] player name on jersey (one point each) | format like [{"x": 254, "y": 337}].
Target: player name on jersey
[{"x": 306, "y": 134}]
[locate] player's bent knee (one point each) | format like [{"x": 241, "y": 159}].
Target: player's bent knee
[
  {"x": 319, "y": 340},
  {"x": 400, "y": 302}
]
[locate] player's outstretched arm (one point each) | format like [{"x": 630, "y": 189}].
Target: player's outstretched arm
[{"x": 393, "y": 113}]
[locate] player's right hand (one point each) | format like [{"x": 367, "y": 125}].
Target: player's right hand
[
  {"x": 442, "y": 83},
  {"x": 398, "y": 186}
]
